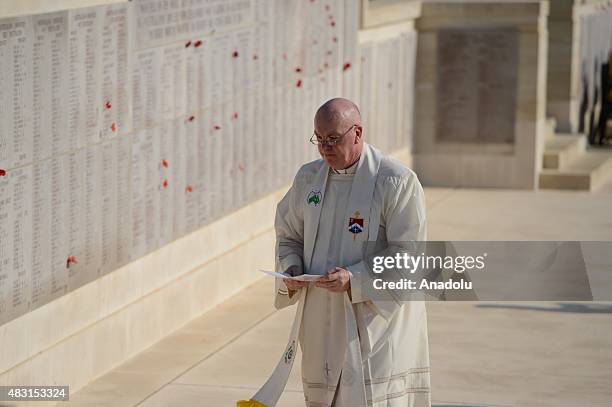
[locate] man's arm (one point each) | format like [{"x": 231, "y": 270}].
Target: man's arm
[
  {"x": 405, "y": 219},
  {"x": 289, "y": 250}
]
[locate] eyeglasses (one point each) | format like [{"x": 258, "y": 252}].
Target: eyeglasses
[{"x": 332, "y": 141}]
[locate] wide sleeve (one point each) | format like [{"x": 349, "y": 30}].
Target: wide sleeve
[
  {"x": 289, "y": 248},
  {"x": 405, "y": 221}
]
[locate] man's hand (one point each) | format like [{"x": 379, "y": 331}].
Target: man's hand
[
  {"x": 337, "y": 280},
  {"x": 292, "y": 285}
]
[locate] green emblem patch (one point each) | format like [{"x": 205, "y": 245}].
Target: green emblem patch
[{"x": 314, "y": 198}]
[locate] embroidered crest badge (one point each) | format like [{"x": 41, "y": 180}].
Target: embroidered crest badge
[
  {"x": 314, "y": 198},
  {"x": 355, "y": 224},
  {"x": 289, "y": 353}
]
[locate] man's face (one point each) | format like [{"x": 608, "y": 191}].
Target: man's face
[{"x": 346, "y": 151}]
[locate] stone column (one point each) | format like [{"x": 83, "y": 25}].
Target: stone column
[
  {"x": 563, "y": 66},
  {"x": 481, "y": 93}
]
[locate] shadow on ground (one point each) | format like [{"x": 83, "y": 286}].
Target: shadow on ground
[
  {"x": 464, "y": 405},
  {"x": 561, "y": 307}
]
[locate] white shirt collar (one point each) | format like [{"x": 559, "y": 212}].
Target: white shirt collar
[{"x": 350, "y": 170}]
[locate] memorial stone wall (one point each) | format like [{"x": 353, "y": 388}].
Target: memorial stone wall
[{"x": 126, "y": 126}]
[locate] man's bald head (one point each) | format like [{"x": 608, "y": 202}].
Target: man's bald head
[
  {"x": 338, "y": 111},
  {"x": 339, "y": 119}
]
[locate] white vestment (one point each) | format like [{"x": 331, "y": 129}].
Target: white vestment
[{"x": 323, "y": 222}]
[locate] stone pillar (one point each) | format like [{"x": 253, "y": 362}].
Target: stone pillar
[
  {"x": 563, "y": 78},
  {"x": 481, "y": 93}
]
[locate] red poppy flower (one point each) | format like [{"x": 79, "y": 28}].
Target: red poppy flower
[{"x": 71, "y": 260}]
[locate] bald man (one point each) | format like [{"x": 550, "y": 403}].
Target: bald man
[{"x": 357, "y": 351}]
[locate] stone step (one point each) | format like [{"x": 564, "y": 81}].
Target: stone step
[
  {"x": 585, "y": 172},
  {"x": 562, "y": 149}
]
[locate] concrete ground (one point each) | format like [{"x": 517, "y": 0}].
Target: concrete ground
[{"x": 482, "y": 354}]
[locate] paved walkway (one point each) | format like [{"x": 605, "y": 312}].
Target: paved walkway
[{"x": 482, "y": 354}]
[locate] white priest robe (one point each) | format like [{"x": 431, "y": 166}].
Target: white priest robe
[{"x": 359, "y": 351}]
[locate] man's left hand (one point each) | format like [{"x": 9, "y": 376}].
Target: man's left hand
[{"x": 336, "y": 280}]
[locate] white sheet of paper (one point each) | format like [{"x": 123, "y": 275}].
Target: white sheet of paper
[{"x": 303, "y": 277}]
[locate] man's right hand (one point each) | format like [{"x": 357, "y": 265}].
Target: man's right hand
[{"x": 292, "y": 285}]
